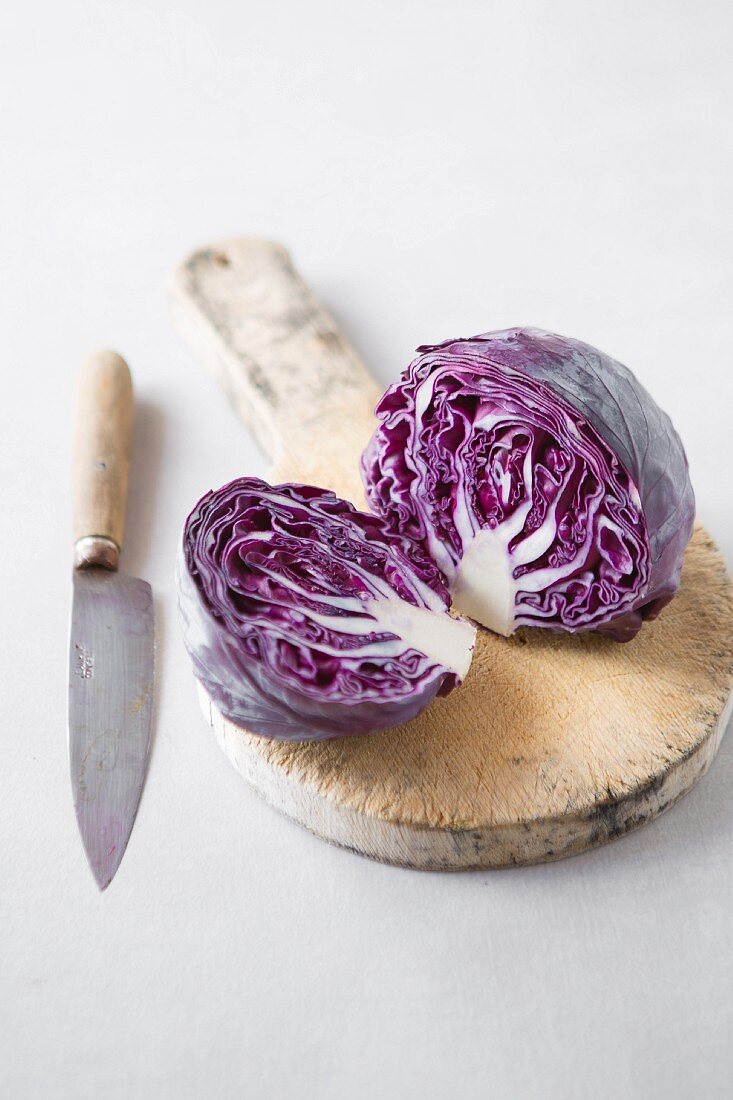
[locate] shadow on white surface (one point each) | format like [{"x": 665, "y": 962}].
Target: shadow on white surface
[{"x": 145, "y": 481}]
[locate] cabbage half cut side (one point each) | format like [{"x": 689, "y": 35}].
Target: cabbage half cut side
[
  {"x": 306, "y": 619},
  {"x": 542, "y": 479}
]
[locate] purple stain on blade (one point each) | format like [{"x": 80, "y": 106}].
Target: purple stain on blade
[
  {"x": 104, "y": 855},
  {"x": 111, "y": 834},
  {"x": 542, "y": 478}
]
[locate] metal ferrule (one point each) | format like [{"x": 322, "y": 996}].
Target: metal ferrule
[{"x": 96, "y": 550}]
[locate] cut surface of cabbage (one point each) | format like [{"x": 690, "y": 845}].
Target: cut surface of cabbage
[
  {"x": 542, "y": 479},
  {"x": 307, "y": 619}
]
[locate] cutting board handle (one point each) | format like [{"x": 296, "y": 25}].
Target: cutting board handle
[
  {"x": 101, "y": 459},
  {"x": 291, "y": 376}
]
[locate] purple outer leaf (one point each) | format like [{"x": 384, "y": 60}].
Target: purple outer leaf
[
  {"x": 282, "y": 597},
  {"x": 601, "y": 452}
]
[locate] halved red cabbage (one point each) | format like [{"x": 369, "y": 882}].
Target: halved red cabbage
[
  {"x": 540, "y": 476},
  {"x": 306, "y": 619}
]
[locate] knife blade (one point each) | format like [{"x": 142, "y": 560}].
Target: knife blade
[{"x": 111, "y": 650}]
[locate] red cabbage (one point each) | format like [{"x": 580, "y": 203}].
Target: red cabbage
[
  {"x": 306, "y": 619},
  {"x": 540, "y": 476}
]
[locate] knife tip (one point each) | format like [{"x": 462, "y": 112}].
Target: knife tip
[
  {"x": 103, "y": 879},
  {"x": 105, "y": 868}
]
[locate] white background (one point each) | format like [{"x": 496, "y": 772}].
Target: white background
[{"x": 437, "y": 169}]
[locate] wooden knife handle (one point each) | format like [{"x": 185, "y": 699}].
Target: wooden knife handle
[
  {"x": 279, "y": 356},
  {"x": 101, "y": 459}
]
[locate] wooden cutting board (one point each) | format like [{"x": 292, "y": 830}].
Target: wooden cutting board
[{"x": 555, "y": 743}]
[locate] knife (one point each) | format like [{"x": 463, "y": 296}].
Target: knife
[{"x": 111, "y": 644}]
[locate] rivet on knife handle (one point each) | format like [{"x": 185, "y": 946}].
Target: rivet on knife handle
[{"x": 102, "y": 459}]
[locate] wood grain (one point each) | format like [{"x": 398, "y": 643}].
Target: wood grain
[
  {"x": 294, "y": 380},
  {"x": 103, "y": 439},
  {"x": 555, "y": 743}
]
